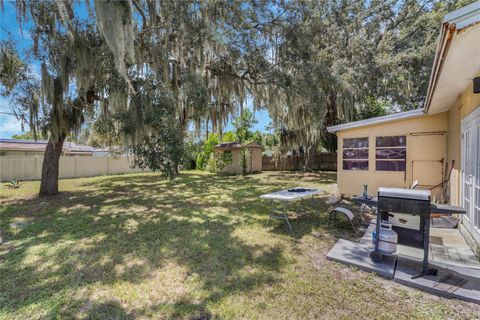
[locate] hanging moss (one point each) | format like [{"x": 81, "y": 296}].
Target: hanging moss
[
  {"x": 10, "y": 64},
  {"x": 115, "y": 24},
  {"x": 176, "y": 64}
]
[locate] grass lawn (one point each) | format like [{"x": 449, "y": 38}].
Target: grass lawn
[{"x": 138, "y": 246}]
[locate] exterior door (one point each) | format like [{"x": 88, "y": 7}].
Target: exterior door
[
  {"x": 471, "y": 172},
  {"x": 426, "y": 154}
]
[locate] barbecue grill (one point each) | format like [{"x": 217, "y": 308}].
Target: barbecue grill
[{"x": 395, "y": 203}]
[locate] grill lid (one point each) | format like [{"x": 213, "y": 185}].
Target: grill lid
[{"x": 412, "y": 194}]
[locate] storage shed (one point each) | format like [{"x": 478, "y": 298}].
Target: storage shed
[{"x": 239, "y": 157}]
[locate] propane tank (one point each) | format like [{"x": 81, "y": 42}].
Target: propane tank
[{"x": 388, "y": 238}]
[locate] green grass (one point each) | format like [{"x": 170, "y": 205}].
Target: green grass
[{"x": 138, "y": 246}]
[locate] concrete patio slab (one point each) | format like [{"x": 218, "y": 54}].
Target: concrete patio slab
[
  {"x": 447, "y": 250},
  {"x": 452, "y": 253},
  {"x": 445, "y": 284},
  {"x": 367, "y": 236},
  {"x": 458, "y": 268},
  {"x": 358, "y": 255},
  {"x": 454, "y": 249}
]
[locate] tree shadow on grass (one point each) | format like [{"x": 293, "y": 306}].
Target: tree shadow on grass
[
  {"x": 105, "y": 310},
  {"x": 115, "y": 230},
  {"x": 314, "y": 217}
]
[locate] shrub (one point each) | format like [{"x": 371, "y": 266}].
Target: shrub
[
  {"x": 208, "y": 149},
  {"x": 215, "y": 163}
]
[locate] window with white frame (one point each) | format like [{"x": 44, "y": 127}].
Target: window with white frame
[
  {"x": 391, "y": 153},
  {"x": 355, "y": 154}
]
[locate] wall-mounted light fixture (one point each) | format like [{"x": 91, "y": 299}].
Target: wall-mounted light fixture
[{"x": 476, "y": 85}]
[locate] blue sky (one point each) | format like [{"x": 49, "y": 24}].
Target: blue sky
[
  {"x": 262, "y": 117},
  {"x": 9, "y": 28}
]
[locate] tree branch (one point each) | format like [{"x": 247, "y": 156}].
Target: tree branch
[{"x": 142, "y": 14}]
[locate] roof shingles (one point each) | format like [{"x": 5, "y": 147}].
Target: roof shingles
[{"x": 40, "y": 145}]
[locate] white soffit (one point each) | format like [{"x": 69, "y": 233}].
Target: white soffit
[{"x": 461, "y": 64}]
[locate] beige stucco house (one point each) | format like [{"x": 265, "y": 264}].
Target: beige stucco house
[
  {"x": 395, "y": 150},
  {"x": 238, "y": 156}
]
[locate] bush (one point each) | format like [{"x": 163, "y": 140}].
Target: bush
[
  {"x": 215, "y": 163},
  {"x": 162, "y": 153},
  {"x": 208, "y": 149}
]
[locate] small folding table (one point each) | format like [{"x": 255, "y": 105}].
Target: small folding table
[{"x": 288, "y": 195}]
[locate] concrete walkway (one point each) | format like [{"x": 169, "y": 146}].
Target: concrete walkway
[{"x": 459, "y": 269}]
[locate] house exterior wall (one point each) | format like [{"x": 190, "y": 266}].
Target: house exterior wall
[
  {"x": 450, "y": 122},
  {"x": 454, "y": 152},
  {"x": 350, "y": 182},
  {"x": 32, "y": 153},
  {"x": 466, "y": 104},
  {"x": 19, "y": 153},
  {"x": 79, "y": 154}
]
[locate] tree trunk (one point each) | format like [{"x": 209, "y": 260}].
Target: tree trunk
[
  {"x": 50, "y": 166},
  {"x": 331, "y": 118},
  {"x": 306, "y": 164}
]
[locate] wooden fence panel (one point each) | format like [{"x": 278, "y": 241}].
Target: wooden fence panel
[
  {"x": 317, "y": 161},
  {"x": 30, "y": 168}
]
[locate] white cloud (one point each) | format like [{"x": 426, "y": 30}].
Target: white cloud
[{"x": 9, "y": 126}]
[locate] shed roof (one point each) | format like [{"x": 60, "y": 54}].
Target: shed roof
[
  {"x": 228, "y": 145},
  {"x": 237, "y": 145},
  {"x": 252, "y": 144}
]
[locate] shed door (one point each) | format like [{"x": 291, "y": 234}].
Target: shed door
[{"x": 427, "y": 160}]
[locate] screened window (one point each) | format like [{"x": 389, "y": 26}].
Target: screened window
[
  {"x": 227, "y": 156},
  {"x": 355, "y": 154},
  {"x": 391, "y": 153}
]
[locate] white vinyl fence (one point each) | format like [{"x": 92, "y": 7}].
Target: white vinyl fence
[{"x": 30, "y": 168}]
